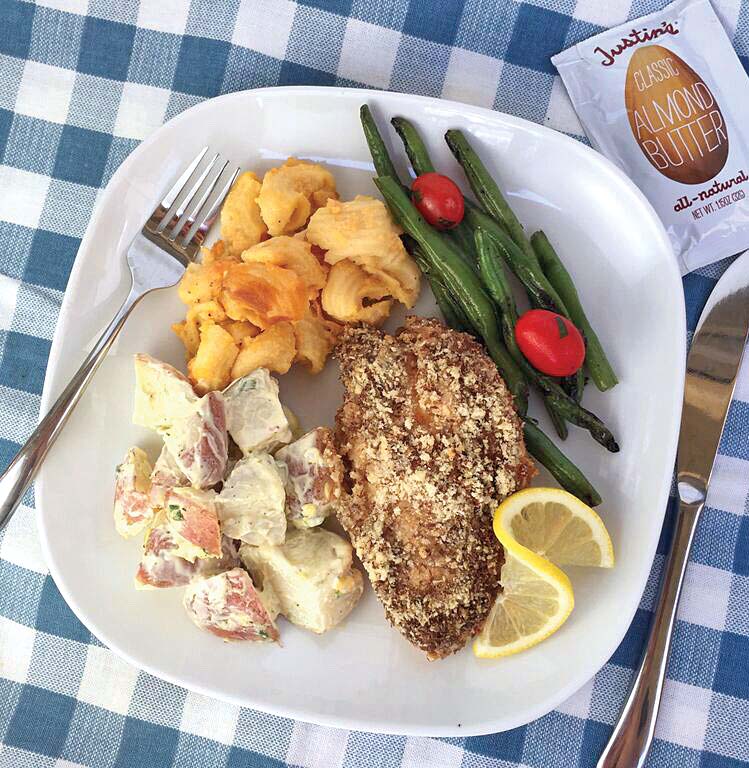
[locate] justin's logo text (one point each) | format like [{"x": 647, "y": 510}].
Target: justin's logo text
[{"x": 635, "y": 37}]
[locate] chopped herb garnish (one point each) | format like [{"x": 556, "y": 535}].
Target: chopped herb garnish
[{"x": 176, "y": 512}]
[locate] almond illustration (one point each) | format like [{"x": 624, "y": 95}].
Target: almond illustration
[{"x": 674, "y": 116}]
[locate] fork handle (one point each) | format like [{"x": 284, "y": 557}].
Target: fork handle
[
  {"x": 21, "y": 472},
  {"x": 631, "y": 739}
]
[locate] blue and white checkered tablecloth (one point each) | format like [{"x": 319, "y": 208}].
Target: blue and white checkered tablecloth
[{"x": 81, "y": 83}]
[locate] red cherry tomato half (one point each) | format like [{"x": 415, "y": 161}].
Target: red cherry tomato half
[
  {"x": 550, "y": 342},
  {"x": 438, "y": 199}
]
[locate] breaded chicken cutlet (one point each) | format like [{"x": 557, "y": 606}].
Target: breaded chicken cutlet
[{"x": 431, "y": 445}]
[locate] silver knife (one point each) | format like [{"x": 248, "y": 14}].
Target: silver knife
[{"x": 712, "y": 365}]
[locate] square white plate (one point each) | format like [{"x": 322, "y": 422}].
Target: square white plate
[{"x": 364, "y": 675}]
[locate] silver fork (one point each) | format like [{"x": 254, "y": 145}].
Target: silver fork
[{"x": 157, "y": 257}]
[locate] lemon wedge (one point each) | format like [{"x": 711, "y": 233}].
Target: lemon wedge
[
  {"x": 555, "y": 525},
  {"x": 535, "y": 601},
  {"x": 540, "y": 529}
]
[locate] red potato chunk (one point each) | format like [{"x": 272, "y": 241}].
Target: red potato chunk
[
  {"x": 229, "y": 606},
  {"x": 166, "y": 474},
  {"x": 314, "y": 473},
  {"x": 252, "y": 502},
  {"x": 255, "y": 418},
  {"x": 199, "y": 443},
  {"x": 160, "y": 567},
  {"x": 193, "y": 520},
  {"x": 132, "y": 485},
  {"x": 193, "y": 428},
  {"x": 163, "y": 396},
  {"x": 311, "y": 577},
  {"x": 166, "y": 471}
]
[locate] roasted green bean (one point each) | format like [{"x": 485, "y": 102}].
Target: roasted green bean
[
  {"x": 462, "y": 283},
  {"x": 563, "y": 470},
  {"x": 600, "y": 369},
  {"x": 380, "y": 156},
  {"x": 490, "y": 269},
  {"x": 418, "y": 155}
]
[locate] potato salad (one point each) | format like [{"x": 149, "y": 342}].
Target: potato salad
[{"x": 231, "y": 508}]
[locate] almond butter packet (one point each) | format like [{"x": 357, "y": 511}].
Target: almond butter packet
[{"x": 666, "y": 99}]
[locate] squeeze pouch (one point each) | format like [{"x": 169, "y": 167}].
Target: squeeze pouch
[{"x": 666, "y": 99}]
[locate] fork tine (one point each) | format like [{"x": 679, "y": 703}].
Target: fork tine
[
  {"x": 183, "y": 200},
  {"x": 193, "y": 206},
  {"x": 204, "y": 221},
  {"x": 169, "y": 198}
]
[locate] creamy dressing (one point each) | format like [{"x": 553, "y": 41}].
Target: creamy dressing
[
  {"x": 311, "y": 574},
  {"x": 199, "y": 441},
  {"x": 311, "y": 491},
  {"x": 255, "y": 417},
  {"x": 229, "y": 606},
  {"x": 132, "y": 507},
  {"x": 252, "y": 502},
  {"x": 163, "y": 396}
]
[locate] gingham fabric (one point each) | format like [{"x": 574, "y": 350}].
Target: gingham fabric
[{"x": 81, "y": 83}]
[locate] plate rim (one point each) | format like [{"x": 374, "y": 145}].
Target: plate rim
[{"x": 482, "y": 727}]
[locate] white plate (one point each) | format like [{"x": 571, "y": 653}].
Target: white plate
[{"x": 364, "y": 675}]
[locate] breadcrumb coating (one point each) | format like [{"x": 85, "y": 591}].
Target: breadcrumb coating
[{"x": 431, "y": 445}]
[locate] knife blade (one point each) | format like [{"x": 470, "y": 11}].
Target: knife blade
[{"x": 713, "y": 364}]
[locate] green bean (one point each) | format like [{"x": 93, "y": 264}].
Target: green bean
[
  {"x": 461, "y": 282},
  {"x": 475, "y": 212},
  {"x": 557, "y": 421},
  {"x": 540, "y": 290},
  {"x": 414, "y": 146},
  {"x": 452, "y": 314},
  {"x": 380, "y": 157},
  {"x": 462, "y": 237},
  {"x": 563, "y": 470},
  {"x": 595, "y": 358},
  {"x": 486, "y": 190},
  {"x": 418, "y": 155},
  {"x": 490, "y": 269},
  {"x": 492, "y": 275},
  {"x": 575, "y": 384},
  {"x": 528, "y": 271},
  {"x": 573, "y": 412}
]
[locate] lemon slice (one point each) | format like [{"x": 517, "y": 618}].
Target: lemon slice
[
  {"x": 535, "y": 601},
  {"x": 555, "y": 525}
]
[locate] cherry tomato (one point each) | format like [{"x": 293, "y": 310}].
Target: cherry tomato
[
  {"x": 550, "y": 342},
  {"x": 438, "y": 199}
]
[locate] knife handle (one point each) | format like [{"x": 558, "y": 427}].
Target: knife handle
[{"x": 631, "y": 739}]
